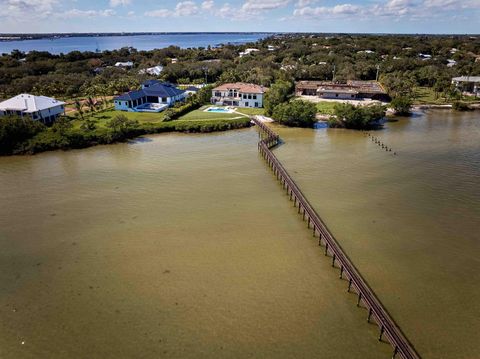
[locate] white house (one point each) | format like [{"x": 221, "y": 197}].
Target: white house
[
  {"x": 238, "y": 94},
  {"x": 154, "y": 96},
  {"x": 154, "y": 71},
  {"x": 127, "y": 64},
  {"x": 248, "y": 52},
  {"x": 41, "y": 108},
  {"x": 468, "y": 84}
]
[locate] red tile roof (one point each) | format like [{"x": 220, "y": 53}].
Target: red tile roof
[{"x": 241, "y": 87}]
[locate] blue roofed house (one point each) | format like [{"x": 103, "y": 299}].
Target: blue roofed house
[{"x": 154, "y": 96}]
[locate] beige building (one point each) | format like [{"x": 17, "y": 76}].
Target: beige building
[{"x": 238, "y": 94}]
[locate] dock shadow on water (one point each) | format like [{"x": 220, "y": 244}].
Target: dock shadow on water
[{"x": 176, "y": 247}]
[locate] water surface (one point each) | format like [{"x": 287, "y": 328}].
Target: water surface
[
  {"x": 140, "y": 42},
  {"x": 409, "y": 222},
  {"x": 178, "y": 246}
]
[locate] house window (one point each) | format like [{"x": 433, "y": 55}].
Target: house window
[
  {"x": 164, "y": 99},
  {"x": 336, "y": 95},
  {"x": 254, "y": 97},
  {"x": 246, "y": 104},
  {"x": 218, "y": 94},
  {"x": 244, "y": 96},
  {"x": 249, "y": 97},
  {"x": 256, "y": 104}
]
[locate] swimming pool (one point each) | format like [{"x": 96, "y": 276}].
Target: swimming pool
[{"x": 219, "y": 110}]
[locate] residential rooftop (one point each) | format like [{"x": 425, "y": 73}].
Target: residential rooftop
[
  {"x": 152, "y": 88},
  {"x": 467, "y": 79},
  {"x": 29, "y": 103},
  {"x": 241, "y": 87}
]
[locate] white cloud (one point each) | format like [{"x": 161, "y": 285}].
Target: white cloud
[
  {"x": 76, "y": 13},
  {"x": 27, "y": 9},
  {"x": 414, "y": 9},
  {"x": 159, "y": 13},
  {"x": 115, "y": 3},
  {"x": 186, "y": 8},
  {"x": 337, "y": 10},
  {"x": 208, "y": 5},
  {"x": 304, "y": 3},
  {"x": 183, "y": 8},
  {"x": 256, "y": 5}
]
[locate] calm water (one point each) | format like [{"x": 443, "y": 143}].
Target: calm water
[
  {"x": 180, "y": 247},
  {"x": 185, "y": 246},
  {"x": 409, "y": 222},
  {"x": 140, "y": 42}
]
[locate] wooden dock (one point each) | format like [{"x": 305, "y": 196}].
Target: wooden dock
[{"x": 376, "y": 312}]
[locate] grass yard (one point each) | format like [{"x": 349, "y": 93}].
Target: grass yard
[
  {"x": 201, "y": 115},
  {"x": 426, "y": 95},
  {"x": 102, "y": 117},
  {"x": 325, "y": 107},
  {"x": 251, "y": 111}
]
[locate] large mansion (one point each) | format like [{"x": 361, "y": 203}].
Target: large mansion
[{"x": 238, "y": 94}]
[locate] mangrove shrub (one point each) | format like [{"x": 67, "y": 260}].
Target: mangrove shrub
[{"x": 296, "y": 113}]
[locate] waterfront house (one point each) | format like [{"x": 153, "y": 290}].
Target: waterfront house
[
  {"x": 238, "y": 94},
  {"x": 468, "y": 84},
  {"x": 153, "y": 71},
  {"x": 38, "y": 108},
  {"x": 154, "y": 96},
  {"x": 352, "y": 90}
]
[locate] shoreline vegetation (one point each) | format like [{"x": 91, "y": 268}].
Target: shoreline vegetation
[{"x": 31, "y": 138}]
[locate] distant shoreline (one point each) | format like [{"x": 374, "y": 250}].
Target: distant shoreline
[{"x": 21, "y": 37}]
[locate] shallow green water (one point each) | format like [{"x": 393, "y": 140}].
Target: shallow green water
[
  {"x": 185, "y": 246},
  {"x": 177, "y": 247},
  {"x": 409, "y": 222}
]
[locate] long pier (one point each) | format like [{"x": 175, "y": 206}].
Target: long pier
[{"x": 388, "y": 329}]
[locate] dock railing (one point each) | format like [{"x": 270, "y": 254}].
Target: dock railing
[{"x": 388, "y": 328}]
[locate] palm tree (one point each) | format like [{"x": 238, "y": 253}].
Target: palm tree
[
  {"x": 79, "y": 108},
  {"x": 91, "y": 104}
]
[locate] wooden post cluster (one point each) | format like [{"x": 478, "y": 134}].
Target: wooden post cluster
[{"x": 388, "y": 328}]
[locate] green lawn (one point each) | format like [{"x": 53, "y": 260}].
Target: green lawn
[
  {"x": 325, "y": 108},
  {"x": 201, "y": 115},
  {"x": 102, "y": 117},
  {"x": 426, "y": 95},
  {"x": 251, "y": 111}
]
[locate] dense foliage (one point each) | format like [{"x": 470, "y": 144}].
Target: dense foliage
[
  {"x": 295, "y": 113},
  {"x": 297, "y": 57},
  {"x": 19, "y": 135},
  {"x": 15, "y": 130},
  {"x": 361, "y": 117},
  {"x": 402, "y": 105},
  {"x": 278, "y": 93},
  {"x": 460, "y": 106}
]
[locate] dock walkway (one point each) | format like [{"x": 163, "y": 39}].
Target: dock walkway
[{"x": 388, "y": 328}]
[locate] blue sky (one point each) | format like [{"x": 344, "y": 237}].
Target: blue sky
[{"x": 391, "y": 16}]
